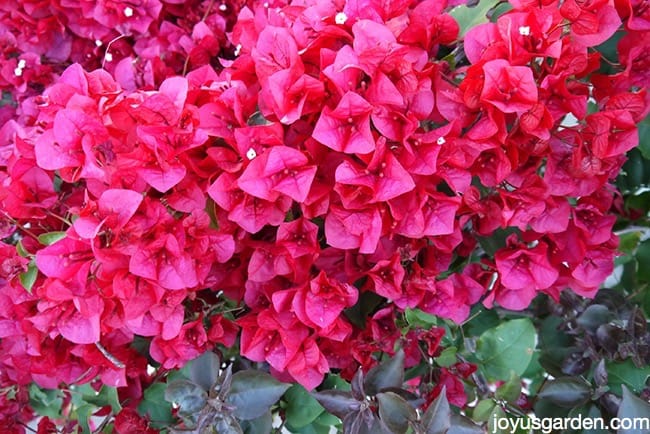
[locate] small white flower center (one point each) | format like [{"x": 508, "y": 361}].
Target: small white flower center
[
  {"x": 441, "y": 141},
  {"x": 250, "y": 154},
  {"x": 223, "y": 7},
  {"x": 22, "y": 63},
  {"x": 128, "y": 12},
  {"x": 108, "y": 57},
  {"x": 98, "y": 43},
  {"x": 340, "y": 18},
  {"x": 18, "y": 72},
  {"x": 524, "y": 30},
  {"x": 237, "y": 49}
]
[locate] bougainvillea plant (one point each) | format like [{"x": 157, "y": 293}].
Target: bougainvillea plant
[{"x": 304, "y": 216}]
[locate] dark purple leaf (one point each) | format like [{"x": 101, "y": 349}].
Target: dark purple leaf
[
  {"x": 337, "y": 402},
  {"x": 389, "y": 373},
  {"x": 395, "y": 412}
]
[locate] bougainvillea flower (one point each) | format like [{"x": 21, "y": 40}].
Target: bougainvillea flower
[
  {"x": 452, "y": 297},
  {"x": 280, "y": 169},
  {"x": 299, "y": 237},
  {"x": 321, "y": 301},
  {"x": 272, "y": 336},
  {"x": 384, "y": 178},
  {"x": 309, "y": 366},
  {"x": 345, "y": 72},
  {"x": 387, "y": 277},
  {"x": 592, "y": 22},
  {"x": 511, "y": 89},
  {"x": 250, "y": 212},
  {"x": 347, "y": 229},
  {"x": 188, "y": 345},
  {"x": 65, "y": 258},
  {"x": 347, "y": 127},
  {"x": 484, "y": 42},
  {"x": 290, "y": 95},
  {"x": 525, "y": 268},
  {"x": 113, "y": 209},
  {"x": 276, "y": 50}
]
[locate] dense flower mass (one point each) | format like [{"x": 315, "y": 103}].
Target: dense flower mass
[{"x": 196, "y": 173}]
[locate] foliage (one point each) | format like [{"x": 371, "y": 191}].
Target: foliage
[{"x": 413, "y": 217}]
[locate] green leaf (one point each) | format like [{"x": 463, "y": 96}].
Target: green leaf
[
  {"x": 395, "y": 412},
  {"x": 83, "y": 414},
  {"x": 190, "y": 397},
  {"x": 566, "y": 392},
  {"x": 51, "y": 238},
  {"x": 389, "y": 373},
  {"x": 328, "y": 420},
  {"x": 469, "y": 17},
  {"x": 589, "y": 411},
  {"x": 498, "y": 238},
  {"x": 629, "y": 241},
  {"x": 302, "y": 408},
  {"x": 644, "y": 137},
  {"x": 334, "y": 381},
  {"x": 437, "y": 418},
  {"x": 497, "y": 413},
  {"x": 510, "y": 390},
  {"x": 368, "y": 302},
  {"x": 259, "y": 425},
  {"x": 155, "y": 406},
  {"x": 609, "y": 50},
  {"x": 204, "y": 370},
  {"x": 253, "y": 393},
  {"x": 635, "y": 410},
  {"x": 418, "y": 318},
  {"x": 635, "y": 171},
  {"x": 499, "y": 10},
  {"x": 481, "y": 320},
  {"x": 106, "y": 396},
  {"x": 7, "y": 99},
  {"x": 627, "y": 374},
  {"x": 507, "y": 348},
  {"x": 643, "y": 257},
  {"x": 483, "y": 410},
  {"x": 46, "y": 402},
  {"x": 309, "y": 429},
  {"x": 447, "y": 357},
  {"x": 20, "y": 249},
  {"x": 28, "y": 278},
  {"x": 257, "y": 118}
]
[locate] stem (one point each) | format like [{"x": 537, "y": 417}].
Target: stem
[
  {"x": 27, "y": 427},
  {"x": 643, "y": 229},
  {"x": 114, "y": 360},
  {"x": 102, "y": 425},
  {"x": 58, "y": 217},
  {"x": 205, "y": 16},
  {"x": 108, "y": 47},
  {"x": 20, "y": 226}
]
